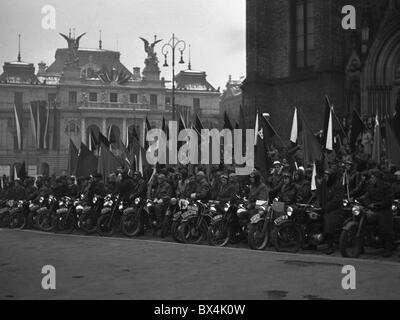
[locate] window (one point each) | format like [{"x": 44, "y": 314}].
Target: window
[
  {"x": 196, "y": 103},
  {"x": 133, "y": 98},
  {"x": 93, "y": 96},
  {"x": 167, "y": 101},
  {"x": 72, "y": 98},
  {"x": 153, "y": 99},
  {"x": 51, "y": 97},
  {"x": 304, "y": 33},
  {"x": 113, "y": 97}
]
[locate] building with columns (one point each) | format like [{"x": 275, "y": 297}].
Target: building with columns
[{"x": 89, "y": 90}]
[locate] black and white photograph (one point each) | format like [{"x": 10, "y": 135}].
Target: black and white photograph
[{"x": 199, "y": 154}]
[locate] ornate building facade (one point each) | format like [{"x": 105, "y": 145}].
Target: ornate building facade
[
  {"x": 298, "y": 52},
  {"x": 88, "y": 90}
]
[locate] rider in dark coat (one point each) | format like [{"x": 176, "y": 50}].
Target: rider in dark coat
[{"x": 379, "y": 198}]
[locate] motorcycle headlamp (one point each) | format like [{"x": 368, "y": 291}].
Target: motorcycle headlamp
[
  {"x": 356, "y": 210},
  {"x": 82, "y": 196},
  {"x": 149, "y": 204},
  {"x": 76, "y": 203},
  {"x": 61, "y": 203},
  {"x": 345, "y": 203},
  {"x": 174, "y": 201},
  {"x": 121, "y": 206},
  {"x": 212, "y": 209},
  {"x": 289, "y": 211},
  {"x": 394, "y": 208},
  {"x": 226, "y": 207},
  {"x": 20, "y": 203},
  {"x": 79, "y": 208},
  {"x": 94, "y": 199},
  {"x": 31, "y": 205},
  {"x": 137, "y": 201},
  {"x": 41, "y": 199}
]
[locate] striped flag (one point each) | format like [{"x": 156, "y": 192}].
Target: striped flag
[{"x": 40, "y": 122}]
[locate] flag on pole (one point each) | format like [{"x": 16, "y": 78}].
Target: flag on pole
[
  {"x": 393, "y": 144},
  {"x": 15, "y": 173},
  {"x": 357, "y": 128},
  {"x": 22, "y": 174},
  {"x": 311, "y": 147},
  {"x": 327, "y": 133},
  {"x": 87, "y": 162},
  {"x": 72, "y": 158},
  {"x": 107, "y": 162},
  {"x": 18, "y": 125},
  {"x": 376, "y": 147},
  {"x": 314, "y": 178},
  {"x": 227, "y": 122},
  {"x": 295, "y": 129}
]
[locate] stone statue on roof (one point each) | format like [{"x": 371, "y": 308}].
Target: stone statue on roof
[
  {"x": 73, "y": 46},
  {"x": 151, "y": 60}
]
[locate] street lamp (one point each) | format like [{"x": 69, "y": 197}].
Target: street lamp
[{"x": 173, "y": 44}]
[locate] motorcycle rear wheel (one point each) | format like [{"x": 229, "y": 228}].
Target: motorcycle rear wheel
[
  {"x": 32, "y": 220},
  {"x": 287, "y": 237},
  {"x": 175, "y": 231},
  {"x": 63, "y": 224},
  {"x": 256, "y": 239},
  {"x": 349, "y": 244},
  {"x": 105, "y": 227}
]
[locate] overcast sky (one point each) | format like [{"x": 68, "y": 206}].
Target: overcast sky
[{"x": 214, "y": 28}]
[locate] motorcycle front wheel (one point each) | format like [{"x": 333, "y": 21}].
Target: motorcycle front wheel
[
  {"x": 257, "y": 239},
  {"x": 4, "y": 220},
  {"x": 105, "y": 227},
  {"x": 132, "y": 225},
  {"x": 33, "y": 220},
  {"x": 17, "y": 221},
  {"x": 62, "y": 223},
  {"x": 218, "y": 234},
  {"x": 191, "y": 233},
  {"x": 287, "y": 237},
  {"x": 88, "y": 222},
  {"x": 45, "y": 221},
  {"x": 350, "y": 245}
]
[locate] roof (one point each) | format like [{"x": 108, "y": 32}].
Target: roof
[
  {"x": 233, "y": 88},
  {"x": 97, "y": 57},
  {"x": 19, "y": 72},
  {"x": 192, "y": 80}
]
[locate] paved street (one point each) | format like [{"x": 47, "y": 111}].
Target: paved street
[{"x": 121, "y": 268}]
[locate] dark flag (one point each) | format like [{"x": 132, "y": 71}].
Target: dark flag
[
  {"x": 102, "y": 139},
  {"x": 107, "y": 162},
  {"x": 22, "y": 174},
  {"x": 311, "y": 147},
  {"x": 112, "y": 138},
  {"x": 164, "y": 128},
  {"x": 124, "y": 155},
  {"x": 393, "y": 144},
  {"x": 147, "y": 129},
  {"x": 357, "y": 128},
  {"x": 395, "y": 123},
  {"x": 227, "y": 122},
  {"x": 72, "y": 158},
  {"x": 264, "y": 134},
  {"x": 87, "y": 162}
]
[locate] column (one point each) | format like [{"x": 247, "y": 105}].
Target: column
[
  {"x": 124, "y": 133},
  {"x": 104, "y": 127},
  {"x": 83, "y": 130}
]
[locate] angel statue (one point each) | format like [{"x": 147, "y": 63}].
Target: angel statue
[
  {"x": 151, "y": 60},
  {"x": 73, "y": 46}
]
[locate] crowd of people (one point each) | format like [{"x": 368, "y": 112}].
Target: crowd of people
[{"x": 344, "y": 175}]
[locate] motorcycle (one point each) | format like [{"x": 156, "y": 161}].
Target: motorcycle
[
  {"x": 46, "y": 214},
  {"x": 132, "y": 222},
  {"x": 33, "y": 213},
  {"x": 195, "y": 221},
  {"x": 19, "y": 215},
  {"x": 66, "y": 216},
  {"x": 261, "y": 224},
  {"x": 89, "y": 213},
  {"x": 224, "y": 224},
  {"x": 177, "y": 219},
  {"x": 173, "y": 208},
  {"x": 301, "y": 225},
  {"x": 110, "y": 216},
  {"x": 5, "y": 213},
  {"x": 361, "y": 230}
]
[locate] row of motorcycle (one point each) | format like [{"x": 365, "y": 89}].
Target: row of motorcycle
[{"x": 286, "y": 228}]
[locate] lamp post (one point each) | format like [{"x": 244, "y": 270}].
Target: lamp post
[{"x": 173, "y": 44}]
